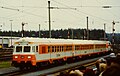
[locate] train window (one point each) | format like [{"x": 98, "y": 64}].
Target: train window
[
  {"x": 81, "y": 47},
  {"x": 68, "y": 48},
  {"x": 62, "y": 48},
  {"x": 26, "y": 48},
  {"x": 33, "y": 48},
  {"x": 48, "y": 48},
  {"x": 18, "y": 48},
  {"x": 52, "y": 48},
  {"x": 36, "y": 48},
  {"x": 77, "y": 47},
  {"x": 55, "y": 48},
  {"x": 91, "y": 46},
  {"x": 58, "y": 49}
]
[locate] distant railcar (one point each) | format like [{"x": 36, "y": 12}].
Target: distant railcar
[{"x": 30, "y": 52}]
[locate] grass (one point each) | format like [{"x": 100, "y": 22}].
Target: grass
[{"x": 5, "y": 64}]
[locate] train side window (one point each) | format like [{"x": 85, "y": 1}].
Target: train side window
[
  {"x": 36, "y": 48},
  {"x": 77, "y": 47},
  {"x": 62, "y": 48},
  {"x": 68, "y": 48},
  {"x": 52, "y": 48},
  {"x": 55, "y": 48},
  {"x": 58, "y": 49},
  {"x": 48, "y": 48},
  {"x": 33, "y": 48}
]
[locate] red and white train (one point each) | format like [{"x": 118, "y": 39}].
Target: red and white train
[{"x": 35, "y": 51}]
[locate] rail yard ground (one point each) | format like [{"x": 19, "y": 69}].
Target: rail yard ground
[
  {"x": 5, "y": 64},
  {"x": 5, "y": 57}
]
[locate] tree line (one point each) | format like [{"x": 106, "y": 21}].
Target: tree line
[{"x": 94, "y": 34}]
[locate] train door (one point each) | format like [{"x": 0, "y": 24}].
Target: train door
[
  {"x": 49, "y": 51},
  {"x": 42, "y": 49},
  {"x": 35, "y": 51},
  {"x": 44, "y": 52}
]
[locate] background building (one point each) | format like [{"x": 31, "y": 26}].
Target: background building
[{"x": 6, "y": 42}]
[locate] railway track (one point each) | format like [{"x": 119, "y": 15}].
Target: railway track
[
  {"x": 58, "y": 69},
  {"x": 16, "y": 73},
  {"x": 50, "y": 70},
  {"x": 6, "y": 54}
]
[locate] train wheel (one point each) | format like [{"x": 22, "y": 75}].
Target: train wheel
[{"x": 21, "y": 68}]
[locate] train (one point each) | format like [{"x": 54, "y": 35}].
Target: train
[{"x": 34, "y": 52}]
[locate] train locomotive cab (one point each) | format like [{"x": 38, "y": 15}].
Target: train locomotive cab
[{"x": 24, "y": 54}]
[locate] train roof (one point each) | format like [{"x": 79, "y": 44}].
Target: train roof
[{"x": 60, "y": 41}]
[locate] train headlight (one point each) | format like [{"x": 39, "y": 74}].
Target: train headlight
[
  {"x": 16, "y": 56},
  {"x": 29, "y": 57},
  {"x": 22, "y": 57}
]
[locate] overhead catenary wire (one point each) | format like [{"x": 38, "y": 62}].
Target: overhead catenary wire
[
  {"x": 80, "y": 11},
  {"x": 71, "y": 14},
  {"x": 110, "y": 12},
  {"x": 38, "y": 7},
  {"x": 22, "y": 11},
  {"x": 68, "y": 7},
  {"x": 109, "y": 6},
  {"x": 9, "y": 8},
  {"x": 75, "y": 12}
]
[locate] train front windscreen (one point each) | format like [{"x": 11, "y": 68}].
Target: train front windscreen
[{"x": 23, "y": 48}]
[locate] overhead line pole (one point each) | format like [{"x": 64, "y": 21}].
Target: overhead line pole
[
  {"x": 49, "y": 7},
  {"x": 113, "y": 36},
  {"x": 11, "y": 31},
  {"x": 72, "y": 33},
  {"x": 104, "y": 31},
  {"x": 23, "y": 29},
  {"x": 87, "y": 30},
  {"x": 49, "y": 19},
  {"x": 23, "y": 24},
  {"x": 39, "y": 32}
]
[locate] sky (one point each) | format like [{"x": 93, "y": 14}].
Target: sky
[{"x": 67, "y": 14}]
